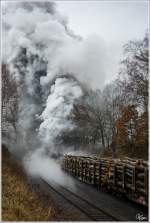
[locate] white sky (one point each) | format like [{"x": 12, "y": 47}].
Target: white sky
[{"x": 115, "y": 21}]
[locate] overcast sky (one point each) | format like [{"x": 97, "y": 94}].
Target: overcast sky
[{"x": 115, "y": 21}]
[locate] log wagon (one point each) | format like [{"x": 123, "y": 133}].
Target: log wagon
[{"x": 125, "y": 176}]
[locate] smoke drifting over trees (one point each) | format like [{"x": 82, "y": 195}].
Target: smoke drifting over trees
[
  {"x": 56, "y": 80},
  {"x": 116, "y": 119}
]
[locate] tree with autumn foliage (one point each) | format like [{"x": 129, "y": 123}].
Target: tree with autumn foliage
[
  {"x": 142, "y": 135},
  {"x": 126, "y": 128},
  {"x": 132, "y": 125}
]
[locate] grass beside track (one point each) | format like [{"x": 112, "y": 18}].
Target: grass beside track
[{"x": 19, "y": 202}]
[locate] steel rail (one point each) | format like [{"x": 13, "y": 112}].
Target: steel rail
[{"x": 90, "y": 210}]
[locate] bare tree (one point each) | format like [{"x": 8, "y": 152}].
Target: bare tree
[
  {"x": 134, "y": 72},
  {"x": 9, "y": 101}
]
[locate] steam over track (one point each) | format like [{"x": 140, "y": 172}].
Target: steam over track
[{"x": 90, "y": 210}]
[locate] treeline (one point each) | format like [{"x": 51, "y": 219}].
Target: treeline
[{"x": 115, "y": 121}]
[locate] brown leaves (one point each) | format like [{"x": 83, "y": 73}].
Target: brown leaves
[
  {"x": 126, "y": 125},
  {"x": 142, "y": 130},
  {"x": 132, "y": 131}
]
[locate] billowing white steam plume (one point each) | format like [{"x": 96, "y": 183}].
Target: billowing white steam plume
[{"x": 41, "y": 53}]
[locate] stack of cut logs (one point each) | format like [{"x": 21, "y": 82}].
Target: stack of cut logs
[{"x": 127, "y": 175}]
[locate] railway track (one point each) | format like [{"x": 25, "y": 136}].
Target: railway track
[{"x": 90, "y": 210}]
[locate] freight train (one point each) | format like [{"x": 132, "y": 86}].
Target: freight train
[{"x": 126, "y": 176}]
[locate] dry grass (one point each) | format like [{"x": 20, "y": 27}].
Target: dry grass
[{"x": 19, "y": 202}]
